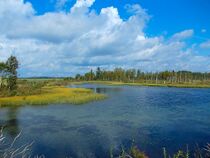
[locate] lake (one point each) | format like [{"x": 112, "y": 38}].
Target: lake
[{"x": 151, "y": 117}]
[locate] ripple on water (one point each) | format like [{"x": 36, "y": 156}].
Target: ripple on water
[{"x": 153, "y": 117}]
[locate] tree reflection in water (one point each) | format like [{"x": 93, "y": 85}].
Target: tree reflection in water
[{"x": 11, "y": 125}]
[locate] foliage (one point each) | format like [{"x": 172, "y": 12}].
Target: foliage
[
  {"x": 2, "y": 66},
  {"x": 23, "y": 88},
  {"x": 8, "y": 72},
  {"x": 12, "y": 66}
]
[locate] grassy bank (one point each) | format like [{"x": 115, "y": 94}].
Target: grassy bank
[
  {"x": 53, "y": 95},
  {"x": 46, "y": 91},
  {"x": 177, "y": 85}
]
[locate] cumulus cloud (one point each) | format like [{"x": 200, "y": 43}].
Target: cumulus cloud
[{"x": 65, "y": 43}]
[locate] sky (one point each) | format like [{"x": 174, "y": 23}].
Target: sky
[{"x": 64, "y": 37}]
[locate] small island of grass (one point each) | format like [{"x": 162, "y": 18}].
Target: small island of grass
[{"x": 53, "y": 95}]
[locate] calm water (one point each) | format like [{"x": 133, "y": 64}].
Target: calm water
[{"x": 151, "y": 116}]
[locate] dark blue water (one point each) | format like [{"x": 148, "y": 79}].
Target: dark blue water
[{"x": 153, "y": 117}]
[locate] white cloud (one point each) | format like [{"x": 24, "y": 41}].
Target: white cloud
[
  {"x": 183, "y": 35},
  {"x": 82, "y": 4},
  {"x": 205, "y": 45},
  {"x": 60, "y": 43}
]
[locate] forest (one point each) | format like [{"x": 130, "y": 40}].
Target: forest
[{"x": 136, "y": 75}]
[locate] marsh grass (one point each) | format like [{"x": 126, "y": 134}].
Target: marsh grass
[
  {"x": 133, "y": 152},
  {"x": 24, "y": 88},
  {"x": 53, "y": 95},
  {"x": 178, "y": 154},
  {"x": 177, "y": 85}
]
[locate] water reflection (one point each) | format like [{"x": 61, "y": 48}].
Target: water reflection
[
  {"x": 11, "y": 124},
  {"x": 97, "y": 88},
  {"x": 105, "y": 90},
  {"x": 153, "y": 117}
]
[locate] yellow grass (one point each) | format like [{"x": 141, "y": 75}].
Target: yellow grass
[{"x": 53, "y": 95}]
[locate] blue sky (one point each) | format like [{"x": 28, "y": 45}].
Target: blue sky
[{"x": 56, "y": 36}]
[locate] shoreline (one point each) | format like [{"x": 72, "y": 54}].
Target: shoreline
[{"x": 115, "y": 83}]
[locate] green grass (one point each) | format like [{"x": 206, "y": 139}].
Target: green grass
[
  {"x": 53, "y": 95},
  {"x": 177, "y": 85}
]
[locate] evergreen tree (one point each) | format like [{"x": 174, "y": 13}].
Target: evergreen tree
[{"x": 98, "y": 73}]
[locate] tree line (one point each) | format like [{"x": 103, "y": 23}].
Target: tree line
[
  {"x": 8, "y": 73},
  {"x": 136, "y": 75}
]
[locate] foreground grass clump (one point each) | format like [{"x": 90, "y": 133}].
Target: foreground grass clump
[
  {"x": 133, "y": 152},
  {"x": 53, "y": 95}
]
